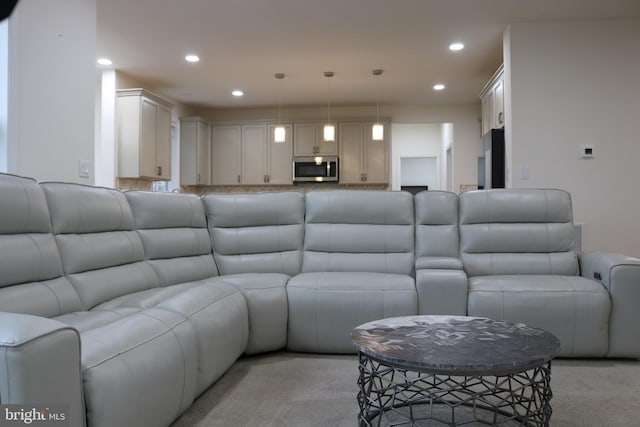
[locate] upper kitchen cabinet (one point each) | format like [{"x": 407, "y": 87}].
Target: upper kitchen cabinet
[
  {"x": 248, "y": 155},
  {"x": 195, "y": 151},
  {"x": 363, "y": 160},
  {"x": 144, "y": 135},
  {"x": 492, "y": 97},
  {"x": 226, "y": 148},
  {"x": 308, "y": 140}
]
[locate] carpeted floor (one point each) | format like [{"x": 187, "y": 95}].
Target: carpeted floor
[{"x": 289, "y": 389}]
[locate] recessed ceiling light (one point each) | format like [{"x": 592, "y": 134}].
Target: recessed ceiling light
[
  {"x": 192, "y": 58},
  {"x": 456, "y": 46},
  {"x": 438, "y": 86},
  {"x": 104, "y": 61},
  {"x": 237, "y": 93}
]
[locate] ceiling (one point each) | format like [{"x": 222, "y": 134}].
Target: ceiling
[{"x": 243, "y": 43}]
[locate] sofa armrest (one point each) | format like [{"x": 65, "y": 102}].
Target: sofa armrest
[
  {"x": 442, "y": 286},
  {"x": 40, "y": 365},
  {"x": 620, "y": 275}
]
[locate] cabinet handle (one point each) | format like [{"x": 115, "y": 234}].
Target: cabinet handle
[
  {"x": 365, "y": 176},
  {"x": 501, "y": 117},
  {"x": 159, "y": 170},
  {"x": 198, "y": 179},
  {"x": 238, "y": 179},
  {"x": 268, "y": 178}
]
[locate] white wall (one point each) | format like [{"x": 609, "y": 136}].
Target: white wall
[
  {"x": 4, "y": 92},
  {"x": 579, "y": 83},
  {"x": 52, "y": 89},
  {"x": 414, "y": 140}
]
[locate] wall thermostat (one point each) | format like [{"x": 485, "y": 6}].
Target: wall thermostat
[{"x": 586, "y": 152}]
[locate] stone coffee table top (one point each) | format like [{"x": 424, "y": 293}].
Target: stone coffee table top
[{"x": 455, "y": 345}]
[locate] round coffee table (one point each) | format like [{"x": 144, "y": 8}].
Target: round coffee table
[{"x": 453, "y": 370}]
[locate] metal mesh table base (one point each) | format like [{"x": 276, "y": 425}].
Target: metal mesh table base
[{"x": 391, "y": 396}]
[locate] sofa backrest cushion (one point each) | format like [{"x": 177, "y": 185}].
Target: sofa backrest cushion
[
  {"x": 526, "y": 231},
  {"x": 31, "y": 276},
  {"x": 173, "y": 230},
  {"x": 437, "y": 238},
  {"x": 359, "y": 230},
  {"x": 101, "y": 253},
  {"x": 256, "y": 233}
]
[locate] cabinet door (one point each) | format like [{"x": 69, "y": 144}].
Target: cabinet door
[
  {"x": 351, "y": 141},
  {"x": 148, "y": 129},
  {"x": 304, "y": 139},
  {"x": 203, "y": 154},
  {"x": 163, "y": 143},
  {"x": 225, "y": 155},
  {"x": 308, "y": 140},
  {"x": 376, "y": 157},
  {"x": 280, "y": 159},
  {"x": 498, "y": 104},
  {"x": 254, "y": 154},
  {"x": 487, "y": 113}
]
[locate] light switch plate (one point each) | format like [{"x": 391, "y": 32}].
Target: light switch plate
[{"x": 83, "y": 168}]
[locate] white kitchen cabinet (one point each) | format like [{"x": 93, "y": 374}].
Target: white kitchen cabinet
[
  {"x": 248, "y": 155},
  {"x": 362, "y": 160},
  {"x": 492, "y": 97},
  {"x": 280, "y": 158},
  {"x": 143, "y": 135},
  {"x": 308, "y": 140},
  {"x": 226, "y": 146},
  {"x": 254, "y": 154},
  {"x": 195, "y": 151}
]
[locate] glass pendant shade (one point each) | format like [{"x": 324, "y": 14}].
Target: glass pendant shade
[
  {"x": 279, "y": 134},
  {"x": 377, "y": 132},
  {"x": 329, "y": 133}
]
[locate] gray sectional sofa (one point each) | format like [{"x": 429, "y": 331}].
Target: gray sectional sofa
[{"x": 125, "y": 306}]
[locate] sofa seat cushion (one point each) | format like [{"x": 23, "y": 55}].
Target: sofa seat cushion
[
  {"x": 147, "y": 298},
  {"x": 139, "y": 370},
  {"x": 324, "y": 307},
  {"x": 85, "y": 320},
  {"x": 574, "y": 309},
  {"x": 218, "y": 313},
  {"x": 266, "y": 297}
]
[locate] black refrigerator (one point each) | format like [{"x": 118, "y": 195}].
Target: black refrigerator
[{"x": 491, "y": 163}]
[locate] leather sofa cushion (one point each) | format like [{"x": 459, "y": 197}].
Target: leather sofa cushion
[
  {"x": 166, "y": 210},
  {"x": 174, "y": 235},
  {"x": 356, "y": 230},
  {"x": 256, "y": 233},
  {"x": 574, "y": 309},
  {"x": 517, "y": 232},
  {"x": 82, "y": 209},
  {"x": 24, "y": 207},
  {"x": 325, "y": 306},
  {"x": 436, "y": 224},
  {"x": 31, "y": 278}
]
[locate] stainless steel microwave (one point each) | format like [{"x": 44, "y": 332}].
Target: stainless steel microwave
[{"x": 315, "y": 169}]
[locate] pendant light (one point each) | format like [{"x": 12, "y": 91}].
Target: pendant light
[
  {"x": 377, "y": 130},
  {"x": 329, "y": 131},
  {"x": 279, "y": 132}
]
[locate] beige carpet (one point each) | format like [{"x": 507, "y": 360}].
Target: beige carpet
[{"x": 288, "y": 389}]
